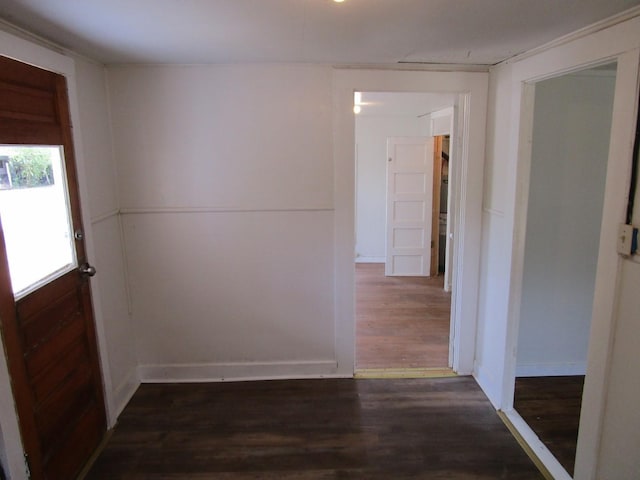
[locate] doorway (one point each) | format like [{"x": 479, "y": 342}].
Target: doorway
[
  {"x": 403, "y": 315},
  {"x": 45, "y": 300},
  {"x": 571, "y": 127}
]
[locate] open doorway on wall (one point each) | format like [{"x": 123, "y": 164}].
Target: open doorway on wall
[
  {"x": 570, "y": 143},
  {"x": 403, "y": 273}
]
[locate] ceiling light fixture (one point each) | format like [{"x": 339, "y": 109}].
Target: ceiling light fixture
[{"x": 338, "y": 1}]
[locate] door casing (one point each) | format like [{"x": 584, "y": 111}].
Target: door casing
[{"x": 471, "y": 90}]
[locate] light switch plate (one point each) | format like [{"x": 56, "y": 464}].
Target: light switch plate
[{"x": 625, "y": 239}]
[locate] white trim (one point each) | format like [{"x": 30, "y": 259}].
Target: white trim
[
  {"x": 103, "y": 350},
  {"x": 576, "y": 35},
  {"x": 217, "y": 209},
  {"x": 443, "y": 112},
  {"x": 487, "y": 380},
  {"x": 494, "y": 212},
  {"x": 538, "y": 448},
  {"x": 396, "y": 67},
  {"x": 365, "y": 259},
  {"x": 125, "y": 391},
  {"x": 619, "y": 42},
  {"x": 609, "y": 264},
  {"x": 238, "y": 371},
  {"x": 418, "y": 67},
  {"x": 42, "y": 41},
  {"x": 551, "y": 369},
  {"x": 104, "y": 216},
  {"x": 472, "y": 90},
  {"x": 521, "y": 201}
]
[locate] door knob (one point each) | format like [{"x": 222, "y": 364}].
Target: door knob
[{"x": 87, "y": 270}]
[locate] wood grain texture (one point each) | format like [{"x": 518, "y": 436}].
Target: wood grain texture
[
  {"x": 551, "y": 407},
  {"x": 401, "y": 322},
  {"x": 313, "y": 429}
]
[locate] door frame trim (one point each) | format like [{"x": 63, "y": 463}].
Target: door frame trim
[
  {"x": 28, "y": 52},
  {"x": 469, "y": 140},
  {"x": 609, "y": 265}
]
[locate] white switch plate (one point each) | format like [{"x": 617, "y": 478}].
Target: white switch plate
[{"x": 625, "y": 235}]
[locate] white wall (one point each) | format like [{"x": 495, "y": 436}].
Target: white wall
[
  {"x": 226, "y": 187},
  {"x": 571, "y": 129},
  {"x": 107, "y": 255},
  {"x": 503, "y": 247},
  {"x": 371, "y": 167}
]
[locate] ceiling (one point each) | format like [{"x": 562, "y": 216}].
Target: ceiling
[{"x": 312, "y": 31}]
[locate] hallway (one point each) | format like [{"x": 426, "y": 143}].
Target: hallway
[{"x": 401, "y": 322}]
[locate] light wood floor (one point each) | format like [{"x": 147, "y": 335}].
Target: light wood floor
[
  {"x": 401, "y": 322},
  {"x": 551, "y": 407},
  {"x": 329, "y": 429}
]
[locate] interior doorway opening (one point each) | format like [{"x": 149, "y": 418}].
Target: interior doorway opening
[
  {"x": 570, "y": 131},
  {"x": 403, "y": 314}
]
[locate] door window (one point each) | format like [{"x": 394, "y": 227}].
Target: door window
[{"x": 34, "y": 208}]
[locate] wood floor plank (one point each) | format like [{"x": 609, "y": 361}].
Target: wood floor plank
[
  {"x": 313, "y": 429},
  {"x": 551, "y": 406},
  {"x": 401, "y": 322}
]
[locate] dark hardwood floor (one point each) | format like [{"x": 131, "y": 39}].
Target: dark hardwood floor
[
  {"x": 551, "y": 407},
  {"x": 401, "y": 322},
  {"x": 325, "y": 429}
]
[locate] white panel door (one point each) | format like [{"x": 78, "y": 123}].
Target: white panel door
[{"x": 409, "y": 203}]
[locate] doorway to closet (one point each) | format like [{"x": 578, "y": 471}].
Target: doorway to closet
[{"x": 571, "y": 128}]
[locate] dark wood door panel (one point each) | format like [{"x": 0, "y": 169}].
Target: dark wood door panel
[
  {"x": 27, "y": 103},
  {"x": 51, "y": 351},
  {"x": 21, "y": 132},
  {"x": 45, "y": 383},
  {"x": 57, "y": 413},
  {"x": 76, "y": 446},
  {"x": 39, "y": 328},
  {"x": 33, "y": 304},
  {"x": 19, "y": 73}
]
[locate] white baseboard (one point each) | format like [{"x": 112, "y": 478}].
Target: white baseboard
[
  {"x": 240, "y": 371},
  {"x": 536, "y": 447},
  {"x": 123, "y": 393},
  {"x": 488, "y": 383},
  {"x": 551, "y": 369},
  {"x": 361, "y": 259}
]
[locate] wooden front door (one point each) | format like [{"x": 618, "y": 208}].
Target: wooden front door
[{"x": 46, "y": 316}]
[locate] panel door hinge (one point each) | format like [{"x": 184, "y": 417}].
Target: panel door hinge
[{"x": 432, "y": 244}]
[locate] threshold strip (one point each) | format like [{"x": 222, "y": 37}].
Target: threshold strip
[
  {"x": 525, "y": 446},
  {"x": 405, "y": 373}
]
